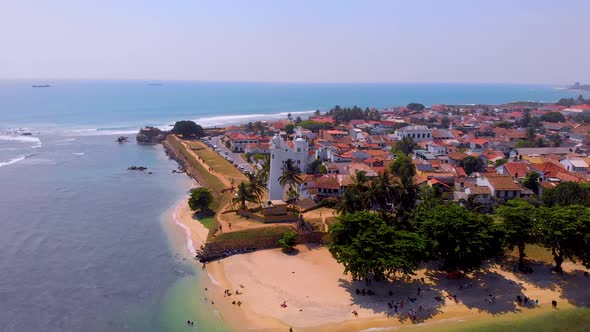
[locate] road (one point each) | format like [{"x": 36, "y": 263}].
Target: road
[{"x": 233, "y": 157}]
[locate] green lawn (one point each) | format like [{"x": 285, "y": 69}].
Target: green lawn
[
  {"x": 252, "y": 233},
  {"x": 216, "y": 161}
]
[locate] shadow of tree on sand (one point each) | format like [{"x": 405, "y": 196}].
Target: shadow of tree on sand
[
  {"x": 485, "y": 291},
  {"x": 576, "y": 288},
  {"x": 401, "y": 293}
]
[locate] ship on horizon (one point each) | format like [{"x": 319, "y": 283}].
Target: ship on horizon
[{"x": 41, "y": 86}]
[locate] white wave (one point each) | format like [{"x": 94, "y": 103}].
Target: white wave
[
  {"x": 8, "y": 149},
  {"x": 100, "y": 132},
  {"x": 215, "y": 282},
  {"x": 78, "y": 153},
  {"x": 12, "y": 161},
  {"x": 23, "y": 139},
  {"x": 224, "y": 120},
  {"x": 187, "y": 231}
]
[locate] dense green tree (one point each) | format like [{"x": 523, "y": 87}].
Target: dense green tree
[
  {"x": 314, "y": 126},
  {"x": 531, "y": 181},
  {"x": 314, "y": 167},
  {"x": 188, "y": 128},
  {"x": 298, "y": 120},
  {"x": 290, "y": 129},
  {"x": 317, "y": 113},
  {"x": 567, "y": 193},
  {"x": 553, "y": 117},
  {"x": 504, "y": 124},
  {"x": 565, "y": 231},
  {"x": 289, "y": 116},
  {"x": 287, "y": 242},
  {"x": 402, "y": 166},
  {"x": 415, "y": 107},
  {"x": 406, "y": 145},
  {"x": 445, "y": 122},
  {"x": 519, "y": 225},
  {"x": 200, "y": 199},
  {"x": 555, "y": 140},
  {"x": 367, "y": 246},
  {"x": 344, "y": 115},
  {"x": 472, "y": 164},
  {"x": 459, "y": 238}
]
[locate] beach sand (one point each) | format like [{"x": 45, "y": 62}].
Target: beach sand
[{"x": 319, "y": 297}]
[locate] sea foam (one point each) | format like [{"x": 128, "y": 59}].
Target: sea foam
[
  {"x": 224, "y": 120},
  {"x": 187, "y": 232},
  {"x": 23, "y": 139},
  {"x": 12, "y": 161}
]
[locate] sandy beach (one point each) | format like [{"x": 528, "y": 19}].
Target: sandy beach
[{"x": 319, "y": 297}]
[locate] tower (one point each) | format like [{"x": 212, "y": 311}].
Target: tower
[{"x": 280, "y": 151}]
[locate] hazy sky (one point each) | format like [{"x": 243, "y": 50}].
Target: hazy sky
[{"x": 524, "y": 41}]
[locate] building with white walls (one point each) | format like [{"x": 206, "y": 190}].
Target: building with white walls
[{"x": 280, "y": 151}]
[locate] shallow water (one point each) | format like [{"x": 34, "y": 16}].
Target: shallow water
[{"x": 83, "y": 244}]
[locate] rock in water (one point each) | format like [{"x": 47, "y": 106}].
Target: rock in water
[
  {"x": 151, "y": 135},
  {"x": 122, "y": 139}
]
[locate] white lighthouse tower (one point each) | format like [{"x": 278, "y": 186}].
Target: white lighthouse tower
[{"x": 280, "y": 151}]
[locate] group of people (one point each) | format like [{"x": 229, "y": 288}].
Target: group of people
[{"x": 526, "y": 300}]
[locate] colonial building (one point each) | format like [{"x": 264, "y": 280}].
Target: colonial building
[
  {"x": 417, "y": 133},
  {"x": 280, "y": 151}
]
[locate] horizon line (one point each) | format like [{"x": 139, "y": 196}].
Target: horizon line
[{"x": 151, "y": 80}]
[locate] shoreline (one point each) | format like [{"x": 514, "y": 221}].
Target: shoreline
[{"x": 264, "y": 274}]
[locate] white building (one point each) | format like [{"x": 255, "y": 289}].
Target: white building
[
  {"x": 417, "y": 133},
  {"x": 574, "y": 164},
  {"x": 280, "y": 151}
]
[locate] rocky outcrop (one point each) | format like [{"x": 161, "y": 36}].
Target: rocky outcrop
[
  {"x": 136, "y": 168},
  {"x": 123, "y": 139},
  {"x": 151, "y": 135}
]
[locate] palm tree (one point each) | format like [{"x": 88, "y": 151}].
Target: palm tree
[
  {"x": 382, "y": 193},
  {"x": 243, "y": 195},
  {"x": 291, "y": 174},
  {"x": 293, "y": 196},
  {"x": 256, "y": 185}
]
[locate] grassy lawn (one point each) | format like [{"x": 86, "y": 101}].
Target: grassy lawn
[
  {"x": 212, "y": 182},
  {"x": 252, "y": 233},
  {"x": 536, "y": 253},
  {"x": 208, "y": 221},
  {"x": 216, "y": 161}
]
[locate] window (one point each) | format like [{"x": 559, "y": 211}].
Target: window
[
  {"x": 298, "y": 162},
  {"x": 273, "y": 156}
]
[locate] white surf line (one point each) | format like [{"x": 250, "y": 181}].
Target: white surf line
[
  {"x": 12, "y": 161},
  {"x": 189, "y": 242}
]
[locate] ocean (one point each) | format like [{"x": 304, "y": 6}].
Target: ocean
[{"x": 84, "y": 242}]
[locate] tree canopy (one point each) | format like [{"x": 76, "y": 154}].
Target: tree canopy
[
  {"x": 188, "y": 128},
  {"x": 565, "y": 230},
  {"x": 459, "y": 238},
  {"x": 553, "y": 117},
  {"x": 345, "y": 114},
  {"x": 406, "y": 145},
  {"x": 567, "y": 193},
  {"x": 519, "y": 225},
  {"x": 200, "y": 199},
  {"x": 472, "y": 164},
  {"x": 367, "y": 246},
  {"x": 415, "y": 107}
]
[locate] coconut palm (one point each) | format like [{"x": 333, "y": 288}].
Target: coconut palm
[
  {"x": 243, "y": 195},
  {"x": 256, "y": 185},
  {"x": 293, "y": 196},
  {"x": 291, "y": 174}
]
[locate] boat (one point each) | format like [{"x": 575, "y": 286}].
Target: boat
[
  {"x": 155, "y": 84},
  {"x": 41, "y": 85}
]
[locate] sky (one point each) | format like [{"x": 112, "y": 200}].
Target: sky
[{"x": 485, "y": 41}]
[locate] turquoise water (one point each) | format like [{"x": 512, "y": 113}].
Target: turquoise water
[{"x": 82, "y": 240}]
